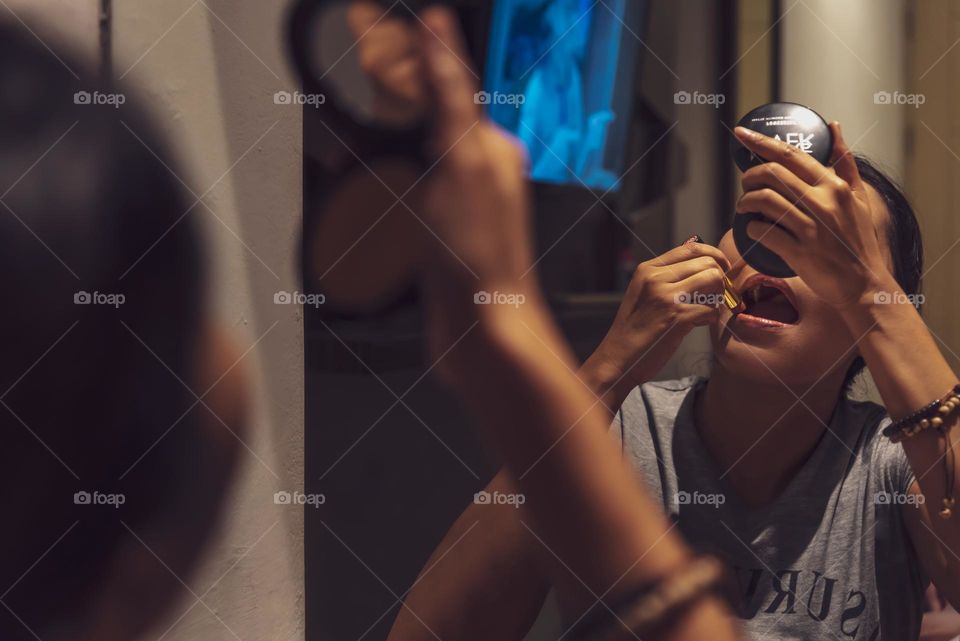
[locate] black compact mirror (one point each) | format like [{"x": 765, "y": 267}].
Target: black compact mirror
[{"x": 797, "y": 125}]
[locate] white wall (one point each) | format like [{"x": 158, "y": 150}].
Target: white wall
[
  {"x": 73, "y": 21},
  {"x": 209, "y": 70},
  {"x": 836, "y": 55},
  {"x": 695, "y": 202}
]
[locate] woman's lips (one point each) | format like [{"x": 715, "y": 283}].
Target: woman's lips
[{"x": 756, "y": 322}]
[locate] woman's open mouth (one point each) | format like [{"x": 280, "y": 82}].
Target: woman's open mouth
[{"x": 769, "y": 302}]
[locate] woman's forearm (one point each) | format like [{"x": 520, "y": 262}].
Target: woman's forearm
[
  {"x": 900, "y": 352},
  {"x": 606, "y": 381},
  {"x": 601, "y": 530},
  {"x": 487, "y": 563},
  {"x": 910, "y": 372}
]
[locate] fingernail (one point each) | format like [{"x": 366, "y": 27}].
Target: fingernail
[
  {"x": 693, "y": 239},
  {"x": 748, "y": 134}
]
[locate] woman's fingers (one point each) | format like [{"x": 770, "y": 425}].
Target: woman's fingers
[
  {"x": 773, "y": 175},
  {"x": 799, "y": 162},
  {"x": 688, "y": 251},
  {"x": 677, "y": 272},
  {"x": 779, "y": 210},
  {"x": 708, "y": 281},
  {"x": 843, "y": 160},
  {"x": 452, "y": 81},
  {"x": 698, "y": 298},
  {"x": 773, "y": 238}
]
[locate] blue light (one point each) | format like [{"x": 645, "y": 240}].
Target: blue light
[{"x": 559, "y": 77}]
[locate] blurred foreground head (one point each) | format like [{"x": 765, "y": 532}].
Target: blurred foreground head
[{"x": 109, "y": 467}]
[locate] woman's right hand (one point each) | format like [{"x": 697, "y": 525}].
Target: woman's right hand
[{"x": 667, "y": 297}]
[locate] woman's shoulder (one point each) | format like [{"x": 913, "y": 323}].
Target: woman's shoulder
[
  {"x": 665, "y": 396},
  {"x": 867, "y": 416},
  {"x": 867, "y": 421}
]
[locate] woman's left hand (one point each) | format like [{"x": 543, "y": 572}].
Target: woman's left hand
[{"x": 825, "y": 229}]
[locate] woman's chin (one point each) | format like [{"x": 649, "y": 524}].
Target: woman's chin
[{"x": 764, "y": 359}]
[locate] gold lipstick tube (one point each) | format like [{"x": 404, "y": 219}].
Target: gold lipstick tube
[{"x": 731, "y": 297}]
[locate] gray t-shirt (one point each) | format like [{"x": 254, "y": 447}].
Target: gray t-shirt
[{"x": 830, "y": 558}]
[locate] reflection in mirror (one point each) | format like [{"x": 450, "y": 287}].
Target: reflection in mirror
[
  {"x": 366, "y": 244},
  {"x": 367, "y": 56}
]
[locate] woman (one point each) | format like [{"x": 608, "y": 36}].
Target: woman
[
  {"x": 112, "y": 470},
  {"x": 767, "y": 462},
  {"x": 831, "y": 527}
]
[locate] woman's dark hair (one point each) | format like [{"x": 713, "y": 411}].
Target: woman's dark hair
[
  {"x": 102, "y": 289},
  {"x": 903, "y": 233}
]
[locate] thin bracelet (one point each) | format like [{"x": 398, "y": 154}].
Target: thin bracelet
[{"x": 654, "y": 605}]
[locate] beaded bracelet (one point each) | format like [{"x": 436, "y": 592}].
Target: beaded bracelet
[
  {"x": 926, "y": 413},
  {"x": 653, "y": 606},
  {"x": 933, "y": 415}
]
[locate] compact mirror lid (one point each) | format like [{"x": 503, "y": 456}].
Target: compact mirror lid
[{"x": 797, "y": 125}]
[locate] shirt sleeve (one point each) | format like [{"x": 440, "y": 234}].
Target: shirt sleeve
[{"x": 897, "y": 473}]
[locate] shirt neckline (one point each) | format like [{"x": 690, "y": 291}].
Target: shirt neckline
[{"x": 827, "y": 446}]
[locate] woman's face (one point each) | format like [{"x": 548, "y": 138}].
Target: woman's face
[{"x": 787, "y": 332}]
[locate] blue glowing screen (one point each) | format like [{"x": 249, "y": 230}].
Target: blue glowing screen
[{"x": 559, "y": 76}]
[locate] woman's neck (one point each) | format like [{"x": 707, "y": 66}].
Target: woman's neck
[{"x": 760, "y": 434}]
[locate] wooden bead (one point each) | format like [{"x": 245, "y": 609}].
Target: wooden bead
[
  {"x": 950, "y": 502},
  {"x": 946, "y": 513},
  {"x": 924, "y": 424},
  {"x": 936, "y": 421},
  {"x": 944, "y": 409}
]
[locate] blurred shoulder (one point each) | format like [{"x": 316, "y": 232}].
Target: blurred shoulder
[
  {"x": 656, "y": 398},
  {"x": 661, "y": 394}
]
